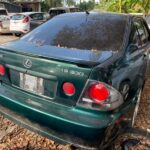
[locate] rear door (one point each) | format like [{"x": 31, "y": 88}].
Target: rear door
[
  {"x": 132, "y": 63},
  {"x": 144, "y": 36}
]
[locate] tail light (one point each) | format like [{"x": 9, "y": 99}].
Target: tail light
[
  {"x": 2, "y": 70},
  {"x": 98, "y": 92},
  {"x": 68, "y": 88},
  {"x": 26, "y": 19},
  {"x": 99, "y": 96}
]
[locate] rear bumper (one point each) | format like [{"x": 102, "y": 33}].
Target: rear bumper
[
  {"x": 60, "y": 137},
  {"x": 17, "y": 32},
  {"x": 62, "y": 124},
  {"x": 22, "y": 31}
]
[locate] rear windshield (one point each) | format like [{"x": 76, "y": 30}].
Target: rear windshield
[
  {"x": 84, "y": 32},
  {"x": 17, "y": 17},
  {"x": 3, "y": 12}
]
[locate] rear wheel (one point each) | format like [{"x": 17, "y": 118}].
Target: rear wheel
[{"x": 17, "y": 34}]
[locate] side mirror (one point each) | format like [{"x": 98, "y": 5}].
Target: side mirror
[{"x": 132, "y": 48}]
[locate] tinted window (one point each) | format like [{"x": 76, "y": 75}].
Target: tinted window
[
  {"x": 74, "y": 9},
  {"x": 3, "y": 12},
  {"x": 56, "y": 12},
  {"x": 17, "y": 17},
  {"x": 37, "y": 16},
  {"x": 146, "y": 32},
  {"x": 141, "y": 31},
  {"x": 134, "y": 36},
  {"x": 90, "y": 32}
]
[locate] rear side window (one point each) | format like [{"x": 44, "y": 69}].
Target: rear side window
[
  {"x": 3, "y": 12},
  {"x": 37, "y": 16},
  {"x": 17, "y": 17},
  {"x": 93, "y": 32},
  {"x": 142, "y": 31},
  {"x": 134, "y": 36},
  {"x": 56, "y": 12},
  {"x": 74, "y": 9}
]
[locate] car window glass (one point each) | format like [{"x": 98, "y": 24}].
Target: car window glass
[
  {"x": 134, "y": 36},
  {"x": 146, "y": 32},
  {"x": 56, "y": 12},
  {"x": 17, "y": 17},
  {"x": 103, "y": 32},
  {"x": 3, "y": 12},
  {"x": 74, "y": 9},
  {"x": 37, "y": 16},
  {"x": 141, "y": 31}
]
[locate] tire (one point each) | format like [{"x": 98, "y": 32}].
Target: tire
[
  {"x": 125, "y": 89},
  {"x": 18, "y": 34}
]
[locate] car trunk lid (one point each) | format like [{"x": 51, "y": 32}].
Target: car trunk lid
[
  {"x": 81, "y": 57},
  {"x": 39, "y": 71}
]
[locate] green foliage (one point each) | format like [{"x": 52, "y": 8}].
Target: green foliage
[
  {"x": 87, "y": 5},
  {"x": 46, "y": 4},
  {"x": 70, "y": 2},
  {"x": 125, "y": 6}
]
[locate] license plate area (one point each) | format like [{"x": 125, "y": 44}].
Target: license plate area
[{"x": 31, "y": 83}]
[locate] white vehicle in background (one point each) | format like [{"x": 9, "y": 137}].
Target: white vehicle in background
[
  {"x": 22, "y": 23},
  {"x": 4, "y": 21}
]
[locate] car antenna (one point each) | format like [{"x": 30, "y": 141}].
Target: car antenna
[{"x": 87, "y": 12}]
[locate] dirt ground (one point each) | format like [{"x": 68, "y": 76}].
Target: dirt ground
[{"x": 13, "y": 137}]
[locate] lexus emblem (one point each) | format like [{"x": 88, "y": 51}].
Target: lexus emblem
[{"x": 27, "y": 63}]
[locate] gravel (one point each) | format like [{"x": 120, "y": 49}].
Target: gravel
[{"x": 14, "y": 137}]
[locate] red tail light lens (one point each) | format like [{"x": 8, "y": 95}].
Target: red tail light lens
[
  {"x": 98, "y": 92},
  {"x": 26, "y": 20},
  {"x": 100, "y": 96},
  {"x": 69, "y": 88},
  {"x": 2, "y": 70}
]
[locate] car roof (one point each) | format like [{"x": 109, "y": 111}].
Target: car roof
[
  {"x": 29, "y": 13},
  {"x": 104, "y": 14}
]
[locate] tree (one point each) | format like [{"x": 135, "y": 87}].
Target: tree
[
  {"x": 46, "y": 4},
  {"x": 87, "y": 5},
  {"x": 125, "y": 6},
  {"x": 70, "y": 2}
]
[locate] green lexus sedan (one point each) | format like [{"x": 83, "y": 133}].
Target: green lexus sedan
[{"x": 76, "y": 79}]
